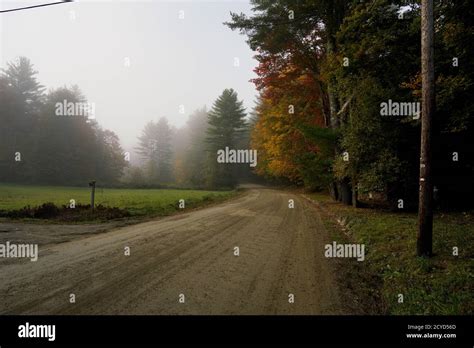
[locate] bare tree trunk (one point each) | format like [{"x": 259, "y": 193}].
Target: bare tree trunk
[
  {"x": 342, "y": 188},
  {"x": 425, "y": 207}
]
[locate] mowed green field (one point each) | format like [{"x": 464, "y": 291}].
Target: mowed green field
[{"x": 136, "y": 201}]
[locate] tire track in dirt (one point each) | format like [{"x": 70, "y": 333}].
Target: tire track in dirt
[{"x": 281, "y": 252}]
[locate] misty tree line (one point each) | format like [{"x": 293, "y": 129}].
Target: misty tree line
[
  {"x": 39, "y": 146},
  {"x": 187, "y": 156}
]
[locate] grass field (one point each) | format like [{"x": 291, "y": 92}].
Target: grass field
[
  {"x": 137, "y": 202},
  {"x": 443, "y": 284}
]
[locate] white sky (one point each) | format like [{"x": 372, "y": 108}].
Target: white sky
[{"x": 174, "y": 61}]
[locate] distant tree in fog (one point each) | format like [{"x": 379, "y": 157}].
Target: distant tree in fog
[{"x": 154, "y": 146}]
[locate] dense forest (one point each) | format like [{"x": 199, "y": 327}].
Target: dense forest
[{"x": 337, "y": 82}]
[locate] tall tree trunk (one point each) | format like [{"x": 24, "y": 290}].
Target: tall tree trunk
[
  {"x": 333, "y": 191},
  {"x": 345, "y": 191},
  {"x": 341, "y": 188},
  {"x": 332, "y": 96},
  {"x": 425, "y": 207},
  {"x": 355, "y": 194},
  {"x": 325, "y": 105},
  {"x": 335, "y": 11}
]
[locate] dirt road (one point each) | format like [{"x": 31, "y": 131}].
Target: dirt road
[{"x": 281, "y": 253}]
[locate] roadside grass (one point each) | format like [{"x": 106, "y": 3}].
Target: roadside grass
[
  {"x": 138, "y": 202},
  {"x": 441, "y": 285}
]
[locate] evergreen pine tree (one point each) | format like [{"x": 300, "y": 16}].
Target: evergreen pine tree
[{"x": 226, "y": 122}]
